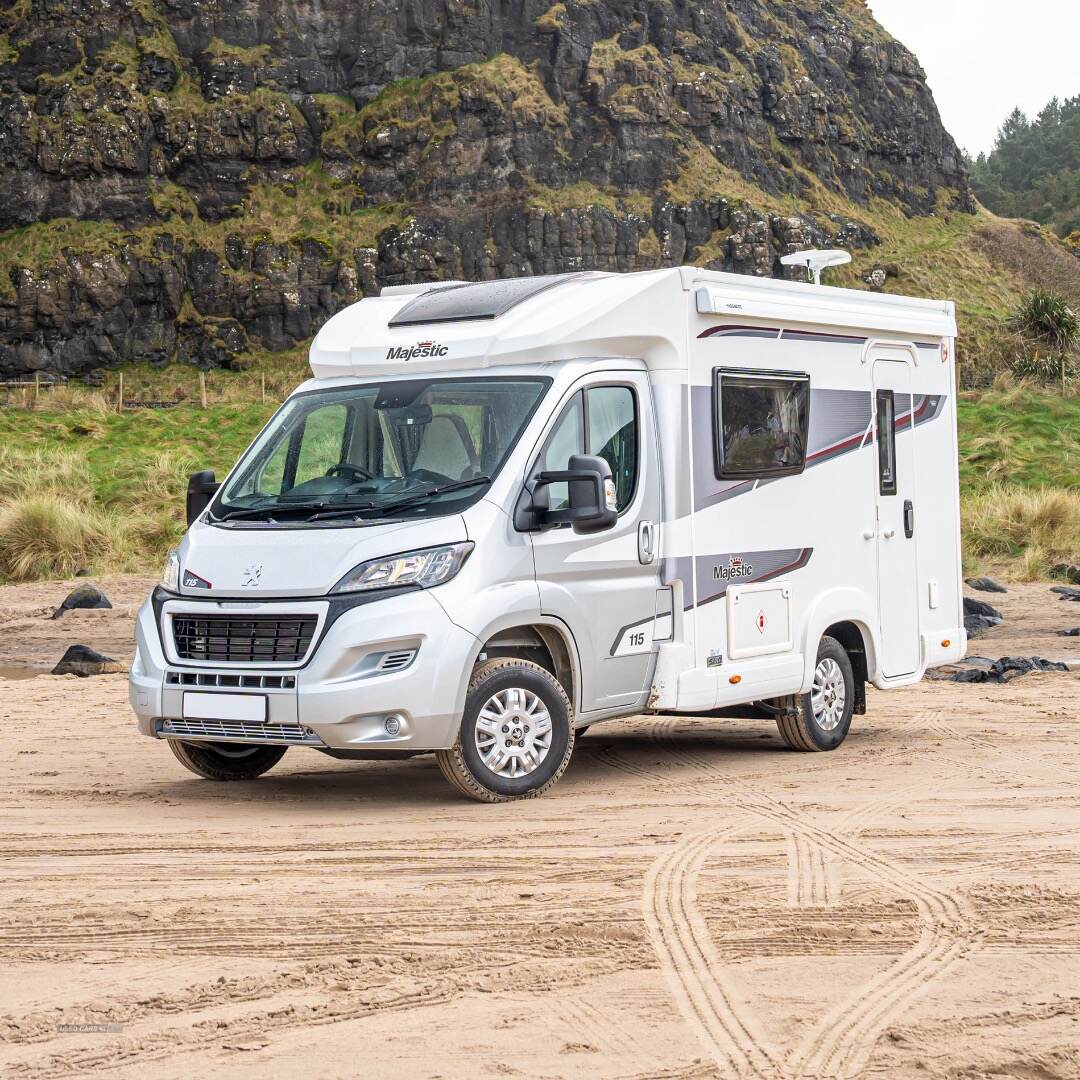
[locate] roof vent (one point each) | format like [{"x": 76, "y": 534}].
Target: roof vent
[
  {"x": 816, "y": 261},
  {"x": 416, "y": 288},
  {"x": 475, "y": 300}
]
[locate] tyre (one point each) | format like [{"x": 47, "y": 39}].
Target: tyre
[
  {"x": 515, "y": 739},
  {"x": 226, "y": 761},
  {"x": 821, "y": 719}
]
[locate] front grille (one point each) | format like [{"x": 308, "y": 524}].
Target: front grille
[
  {"x": 239, "y": 731},
  {"x": 219, "y": 679},
  {"x": 253, "y": 640}
]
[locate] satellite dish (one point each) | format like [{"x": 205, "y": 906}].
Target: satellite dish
[{"x": 816, "y": 261}]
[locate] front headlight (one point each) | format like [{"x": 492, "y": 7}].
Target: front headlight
[
  {"x": 170, "y": 576},
  {"x": 426, "y": 568}
]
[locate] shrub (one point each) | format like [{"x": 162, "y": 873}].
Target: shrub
[
  {"x": 1045, "y": 367},
  {"x": 48, "y": 536},
  {"x": 1046, "y": 316}
]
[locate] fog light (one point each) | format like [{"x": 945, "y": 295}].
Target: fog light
[{"x": 392, "y": 724}]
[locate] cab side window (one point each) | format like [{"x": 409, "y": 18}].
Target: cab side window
[
  {"x": 566, "y": 440},
  {"x": 613, "y": 436},
  {"x": 601, "y": 421}
]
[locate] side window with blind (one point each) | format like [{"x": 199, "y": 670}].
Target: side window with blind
[
  {"x": 601, "y": 421},
  {"x": 886, "y": 441},
  {"x": 761, "y": 423}
]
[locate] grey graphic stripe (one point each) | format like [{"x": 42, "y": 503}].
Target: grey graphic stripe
[{"x": 764, "y": 566}]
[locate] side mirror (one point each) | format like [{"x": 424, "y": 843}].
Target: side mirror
[
  {"x": 201, "y": 488},
  {"x": 592, "y": 496}
]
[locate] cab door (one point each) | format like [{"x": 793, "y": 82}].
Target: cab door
[
  {"x": 604, "y": 586},
  {"x": 898, "y": 592}
]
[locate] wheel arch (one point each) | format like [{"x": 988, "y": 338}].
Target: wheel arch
[
  {"x": 541, "y": 639},
  {"x": 848, "y": 615}
]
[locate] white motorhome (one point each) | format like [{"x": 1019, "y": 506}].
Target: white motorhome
[{"x": 501, "y": 512}]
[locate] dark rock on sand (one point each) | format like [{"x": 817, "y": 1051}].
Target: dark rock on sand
[
  {"x": 980, "y": 617},
  {"x": 1006, "y": 669},
  {"x": 969, "y": 663},
  {"x": 982, "y": 608},
  {"x": 1067, "y": 571},
  {"x": 1066, "y": 593},
  {"x": 986, "y": 584},
  {"x": 1074, "y": 632},
  {"x": 84, "y": 596},
  {"x": 81, "y": 660}
]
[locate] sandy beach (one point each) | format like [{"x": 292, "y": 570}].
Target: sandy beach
[{"x": 692, "y": 900}]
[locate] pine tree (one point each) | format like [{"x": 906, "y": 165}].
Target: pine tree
[{"x": 1034, "y": 169}]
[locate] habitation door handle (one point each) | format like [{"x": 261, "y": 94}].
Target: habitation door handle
[
  {"x": 889, "y": 534},
  {"x": 869, "y": 534}
]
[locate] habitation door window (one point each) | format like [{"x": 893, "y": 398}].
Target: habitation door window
[
  {"x": 886, "y": 441},
  {"x": 761, "y": 423}
]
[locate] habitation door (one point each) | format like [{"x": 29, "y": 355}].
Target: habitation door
[
  {"x": 605, "y": 586},
  {"x": 897, "y": 518}
]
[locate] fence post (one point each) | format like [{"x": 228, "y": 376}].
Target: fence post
[
  {"x": 202, "y": 388},
  {"x": 120, "y": 394},
  {"x": 37, "y": 387},
  {"x": 262, "y": 388}
]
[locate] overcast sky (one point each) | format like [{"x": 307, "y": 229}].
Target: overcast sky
[{"x": 984, "y": 57}]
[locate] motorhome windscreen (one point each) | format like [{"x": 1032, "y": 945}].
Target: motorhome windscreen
[
  {"x": 416, "y": 448},
  {"x": 477, "y": 300}
]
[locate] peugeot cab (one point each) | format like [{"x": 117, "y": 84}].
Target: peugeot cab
[{"x": 501, "y": 512}]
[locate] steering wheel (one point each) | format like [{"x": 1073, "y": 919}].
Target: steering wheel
[{"x": 355, "y": 472}]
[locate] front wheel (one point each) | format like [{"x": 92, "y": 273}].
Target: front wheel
[
  {"x": 226, "y": 761},
  {"x": 821, "y": 719},
  {"x": 515, "y": 739}
]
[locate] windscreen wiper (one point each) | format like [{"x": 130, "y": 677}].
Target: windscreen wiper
[
  {"x": 461, "y": 485},
  {"x": 350, "y": 511},
  {"x": 314, "y": 507}
]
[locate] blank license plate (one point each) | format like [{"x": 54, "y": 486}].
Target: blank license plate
[{"x": 250, "y": 707}]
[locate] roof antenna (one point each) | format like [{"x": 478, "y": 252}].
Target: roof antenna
[{"x": 816, "y": 261}]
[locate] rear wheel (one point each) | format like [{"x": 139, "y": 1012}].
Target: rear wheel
[
  {"x": 515, "y": 739},
  {"x": 226, "y": 761},
  {"x": 821, "y": 719}
]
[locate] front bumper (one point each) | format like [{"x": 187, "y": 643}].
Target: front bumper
[{"x": 339, "y": 699}]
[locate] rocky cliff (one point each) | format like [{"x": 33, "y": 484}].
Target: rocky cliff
[{"x": 197, "y": 179}]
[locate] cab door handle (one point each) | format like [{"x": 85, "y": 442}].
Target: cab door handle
[
  {"x": 646, "y": 542},
  {"x": 889, "y": 534}
]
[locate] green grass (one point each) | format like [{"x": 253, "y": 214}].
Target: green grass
[
  {"x": 115, "y": 445},
  {"x": 124, "y": 476},
  {"x": 1023, "y": 438}
]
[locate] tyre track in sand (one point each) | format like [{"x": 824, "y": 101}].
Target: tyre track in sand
[
  {"x": 689, "y": 962},
  {"x": 842, "y": 1042}
]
